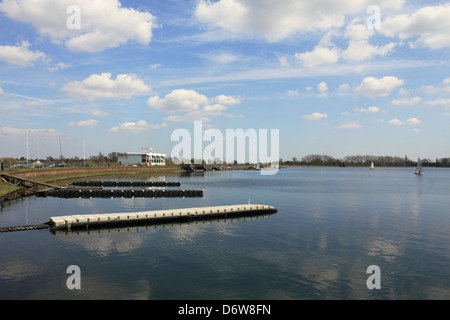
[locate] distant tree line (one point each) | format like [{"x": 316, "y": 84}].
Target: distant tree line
[
  {"x": 93, "y": 161},
  {"x": 309, "y": 160},
  {"x": 364, "y": 161}
]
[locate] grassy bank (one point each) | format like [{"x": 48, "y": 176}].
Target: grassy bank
[
  {"x": 64, "y": 176},
  {"x": 6, "y": 188}
]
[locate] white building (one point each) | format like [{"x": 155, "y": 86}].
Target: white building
[{"x": 146, "y": 157}]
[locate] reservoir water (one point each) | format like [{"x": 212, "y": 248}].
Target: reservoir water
[{"x": 331, "y": 225}]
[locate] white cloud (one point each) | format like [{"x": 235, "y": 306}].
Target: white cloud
[
  {"x": 100, "y": 86},
  {"x": 433, "y": 89},
  {"x": 359, "y": 47},
  {"x": 59, "y": 66},
  {"x": 196, "y": 106},
  {"x": 405, "y": 101},
  {"x": 350, "y": 125},
  {"x": 323, "y": 89},
  {"x": 372, "y": 109},
  {"x": 413, "y": 121},
  {"x": 84, "y": 123},
  {"x": 188, "y": 117},
  {"x": 34, "y": 104},
  {"x": 104, "y": 24},
  {"x": 136, "y": 127},
  {"x": 343, "y": 89},
  {"x": 438, "y": 102},
  {"x": 154, "y": 66},
  {"x": 318, "y": 56},
  {"x": 99, "y": 114},
  {"x": 373, "y": 87},
  {"x": 21, "y": 55},
  {"x": 315, "y": 116},
  {"x": 15, "y": 131},
  {"x": 284, "y": 61},
  {"x": 222, "y": 57},
  {"x": 292, "y": 93},
  {"x": 396, "y": 122},
  {"x": 428, "y": 26},
  {"x": 178, "y": 100},
  {"x": 276, "y": 20},
  {"x": 403, "y": 91},
  {"x": 227, "y": 100}
]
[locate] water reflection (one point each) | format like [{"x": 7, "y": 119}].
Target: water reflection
[
  {"x": 17, "y": 269},
  {"x": 143, "y": 226}
]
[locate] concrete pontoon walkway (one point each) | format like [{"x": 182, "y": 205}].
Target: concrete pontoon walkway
[{"x": 105, "y": 220}]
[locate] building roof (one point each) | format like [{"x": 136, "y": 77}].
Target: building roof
[{"x": 146, "y": 153}]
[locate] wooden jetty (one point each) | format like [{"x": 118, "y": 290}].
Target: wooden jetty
[{"x": 94, "y": 221}]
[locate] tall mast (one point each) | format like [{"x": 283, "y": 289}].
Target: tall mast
[{"x": 28, "y": 153}]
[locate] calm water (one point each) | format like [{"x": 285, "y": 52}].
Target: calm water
[{"x": 331, "y": 224}]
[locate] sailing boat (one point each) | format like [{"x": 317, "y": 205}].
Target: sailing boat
[
  {"x": 372, "y": 167},
  {"x": 419, "y": 169}
]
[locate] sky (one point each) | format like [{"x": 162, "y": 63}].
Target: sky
[{"x": 349, "y": 77}]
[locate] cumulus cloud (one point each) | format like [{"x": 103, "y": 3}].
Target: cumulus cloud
[
  {"x": 413, "y": 121},
  {"x": 442, "y": 89},
  {"x": 196, "y": 106},
  {"x": 276, "y": 20},
  {"x": 373, "y": 87},
  {"x": 20, "y": 55},
  {"x": 371, "y": 109},
  {"x": 103, "y": 24},
  {"x": 84, "y": 123},
  {"x": 323, "y": 89},
  {"x": 439, "y": 102},
  {"x": 350, "y": 125},
  {"x": 100, "y": 86},
  {"x": 398, "y": 122},
  {"x": 136, "y": 127},
  {"x": 100, "y": 114},
  {"x": 319, "y": 56},
  {"x": 59, "y": 66},
  {"x": 178, "y": 100},
  {"x": 428, "y": 27},
  {"x": 315, "y": 116},
  {"x": 359, "y": 47},
  {"x": 406, "y": 101}
]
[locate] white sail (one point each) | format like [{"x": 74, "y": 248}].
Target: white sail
[
  {"x": 419, "y": 169},
  {"x": 372, "y": 166}
]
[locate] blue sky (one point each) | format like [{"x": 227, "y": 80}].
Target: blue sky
[{"x": 135, "y": 71}]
